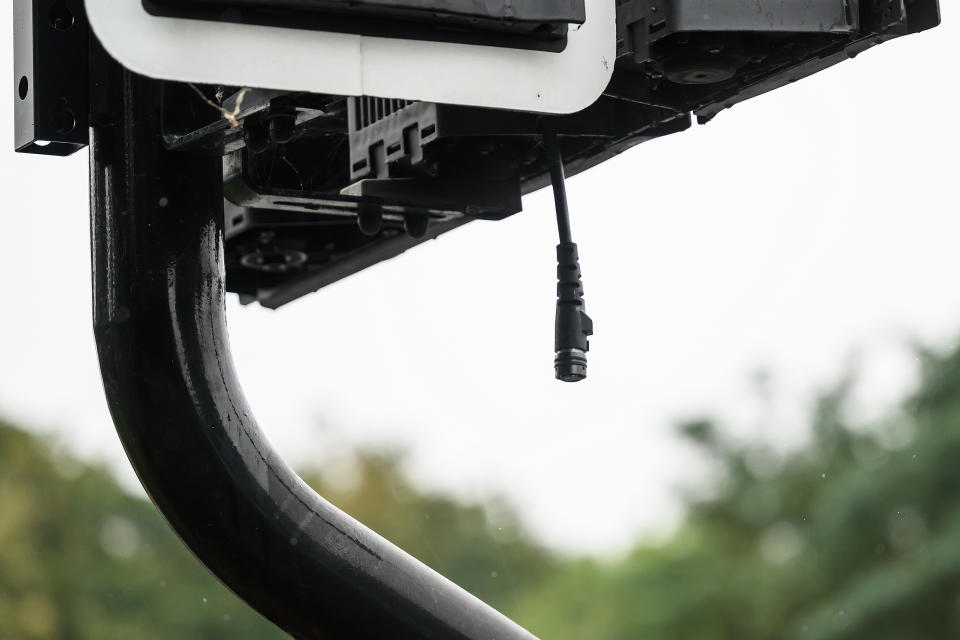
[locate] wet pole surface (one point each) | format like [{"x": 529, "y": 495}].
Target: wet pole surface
[{"x": 159, "y": 320}]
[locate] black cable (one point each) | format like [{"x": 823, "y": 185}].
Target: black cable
[
  {"x": 558, "y": 179},
  {"x": 573, "y": 326}
]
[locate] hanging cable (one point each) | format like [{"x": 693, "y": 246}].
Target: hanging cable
[
  {"x": 558, "y": 180},
  {"x": 573, "y": 326}
]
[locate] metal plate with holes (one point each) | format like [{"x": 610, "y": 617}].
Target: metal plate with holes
[{"x": 346, "y": 64}]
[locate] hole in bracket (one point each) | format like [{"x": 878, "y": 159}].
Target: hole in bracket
[
  {"x": 23, "y": 88},
  {"x": 61, "y": 18},
  {"x": 63, "y": 119}
]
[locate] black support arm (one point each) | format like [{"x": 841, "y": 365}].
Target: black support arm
[{"x": 165, "y": 359}]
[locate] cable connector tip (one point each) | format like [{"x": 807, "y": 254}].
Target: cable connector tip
[{"x": 573, "y": 325}]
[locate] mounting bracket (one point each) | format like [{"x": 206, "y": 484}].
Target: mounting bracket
[{"x": 50, "y": 60}]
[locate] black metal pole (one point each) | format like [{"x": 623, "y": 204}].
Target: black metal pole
[{"x": 159, "y": 321}]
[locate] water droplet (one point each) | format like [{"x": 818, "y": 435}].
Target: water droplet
[
  {"x": 781, "y": 543},
  {"x": 119, "y": 537}
]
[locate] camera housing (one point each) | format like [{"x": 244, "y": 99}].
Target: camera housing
[{"x": 378, "y": 144}]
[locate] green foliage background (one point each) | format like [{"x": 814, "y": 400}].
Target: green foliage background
[{"x": 855, "y": 536}]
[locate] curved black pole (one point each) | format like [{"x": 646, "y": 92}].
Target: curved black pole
[{"x": 159, "y": 323}]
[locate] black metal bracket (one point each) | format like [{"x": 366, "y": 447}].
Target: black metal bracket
[{"x": 51, "y": 101}]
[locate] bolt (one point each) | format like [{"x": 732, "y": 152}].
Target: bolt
[
  {"x": 255, "y": 136},
  {"x": 281, "y": 127},
  {"x": 61, "y": 18},
  {"x": 64, "y": 120},
  {"x": 416, "y": 224},
  {"x": 370, "y": 220}
]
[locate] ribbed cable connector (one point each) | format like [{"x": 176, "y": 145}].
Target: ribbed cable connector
[{"x": 573, "y": 325}]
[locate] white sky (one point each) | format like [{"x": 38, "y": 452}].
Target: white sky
[{"x": 796, "y": 233}]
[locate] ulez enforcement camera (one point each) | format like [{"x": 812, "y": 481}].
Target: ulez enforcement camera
[
  {"x": 352, "y": 131},
  {"x": 270, "y": 148}
]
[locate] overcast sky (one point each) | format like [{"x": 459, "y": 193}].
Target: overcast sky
[{"x": 798, "y": 233}]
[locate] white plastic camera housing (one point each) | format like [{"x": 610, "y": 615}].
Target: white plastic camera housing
[{"x": 291, "y": 59}]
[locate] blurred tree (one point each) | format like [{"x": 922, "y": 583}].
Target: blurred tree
[
  {"x": 80, "y": 558},
  {"x": 855, "y": 536},
  {"x": 482, "y": 548}
]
